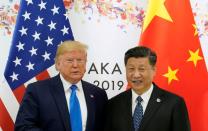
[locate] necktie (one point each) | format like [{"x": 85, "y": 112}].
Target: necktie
[
  {"x": 75, "y": 111},
  {"x": 138, "y": 114}
]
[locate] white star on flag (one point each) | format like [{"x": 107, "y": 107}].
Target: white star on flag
[
  {"x": 29, "y": 2},
  {"x": 39, "y": 20},
  {"x": 14, "y": 76},
  {"x": 33, "y": 51},
  {"x": 42, "y": 5},
  {"x": 46, "y": 56},
  {"x": 30, "y": 66},
  {"x": 55, "y": 10},
  {"x": 49, "y": 41},
  {"x": 65, "y": 30},
  {"x": 20, "y": 46},
  {"x": 52, "y": 25},
  {"x": 36, "y": 36},
  {"x": 17, "y": 61},
  {"x": 26, "y": 15},
  {"x": 23, "y": 31}
]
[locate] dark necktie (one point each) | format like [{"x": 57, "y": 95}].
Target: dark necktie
[
  {"x": 138, "y": 114},
  {"x": 75, "y": 111}
]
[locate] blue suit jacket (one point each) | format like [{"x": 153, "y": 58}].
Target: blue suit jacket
[{"x": 44, "y": 107}]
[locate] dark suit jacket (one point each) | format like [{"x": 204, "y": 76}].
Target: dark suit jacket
[
  {"x": 170, "y": 114},
  {"x": 44, "y": 107}
]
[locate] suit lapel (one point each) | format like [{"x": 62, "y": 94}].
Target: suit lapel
[
  {"x": 153, "y": 105},
  {"x": 59, "y": 96},
  {"x": 89, "y": 97}
]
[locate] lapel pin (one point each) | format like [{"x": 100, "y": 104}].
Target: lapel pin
[
  {"x": 92, "y": 96},
  {"x": 158, "y": 100}
]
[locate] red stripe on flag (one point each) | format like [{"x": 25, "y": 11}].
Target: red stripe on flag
[
  {"x": 43, "y": 75},
  {"x": 6, "y": 122},
  {"x": 19, "y": 93}
]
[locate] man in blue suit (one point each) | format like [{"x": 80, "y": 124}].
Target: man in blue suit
[{"x": 46, "y": 104}]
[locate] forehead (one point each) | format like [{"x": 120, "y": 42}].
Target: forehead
[{"x": 138, "y": 61}]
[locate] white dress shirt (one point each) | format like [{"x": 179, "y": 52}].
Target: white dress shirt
[
  {"x": 80, "y": 96},
  {"x": 145, "y": 97}
]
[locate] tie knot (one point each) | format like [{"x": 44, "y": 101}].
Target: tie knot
[
  {"x": 73, "y": 87},
  {"x": 139, "y": 99}
]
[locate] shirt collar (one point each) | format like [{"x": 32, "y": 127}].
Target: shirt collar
[
  {"x": 67, "y": 84},
  {"x": 145, "y": 96}
]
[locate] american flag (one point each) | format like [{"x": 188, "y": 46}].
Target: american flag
[{"x": 41, "y": 25}]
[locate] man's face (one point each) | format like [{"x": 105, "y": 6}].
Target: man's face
[
  {"x": 139, "y": 74},
  {"x": 72, "y": 65}
]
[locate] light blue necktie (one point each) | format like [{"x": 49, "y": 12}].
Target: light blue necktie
[
  {"x": 138, "y": 114},
  {"x": 75, "y": 111}
]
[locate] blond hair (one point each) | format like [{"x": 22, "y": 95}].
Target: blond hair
[{"x": 68, "y": 46}]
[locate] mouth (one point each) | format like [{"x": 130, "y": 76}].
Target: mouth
[
  {"x": 136, "y": 82},
  {"x": 75, "y": 72}
]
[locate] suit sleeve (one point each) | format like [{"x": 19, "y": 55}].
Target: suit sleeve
[
  {"x": 107, "y": 123},
  {"x": 180, "y": 117},
  {"x": 27, "y": 117},
  {"x": 101, "y": 111}
]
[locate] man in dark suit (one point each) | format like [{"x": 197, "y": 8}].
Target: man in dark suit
[
  {"x": 48, "y": 105},
  {"x": 145, "y": 107}
]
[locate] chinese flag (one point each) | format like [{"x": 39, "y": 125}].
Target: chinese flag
[{"x": 169, "y": 29}]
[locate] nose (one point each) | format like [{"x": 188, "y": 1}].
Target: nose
[
  {"x": 75, "y": 63},
  {"x": 137, "y": 73}
]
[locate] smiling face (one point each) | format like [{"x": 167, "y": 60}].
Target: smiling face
[
  {"x": 72, "y": 65},
  {"x": 139, "y": 74}
]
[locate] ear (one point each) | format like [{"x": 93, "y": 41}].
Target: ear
[
  {"x": 154, "y": 69},
  {"x": 57, "y": 65}
]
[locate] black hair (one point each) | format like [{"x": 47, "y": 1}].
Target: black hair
[{"x": 141, "y": 51}]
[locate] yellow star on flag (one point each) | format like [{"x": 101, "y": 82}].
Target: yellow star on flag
[
  {"x": 194, "y": 57},
  {"x": 196, "y": 31},
  {"x": 156, "y": 8},
  {"x": 171, "y": 74}
]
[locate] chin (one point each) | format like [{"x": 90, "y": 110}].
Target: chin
[
  {"x": 77, "y": 77},
  {"x": 137, "y": 87}
]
